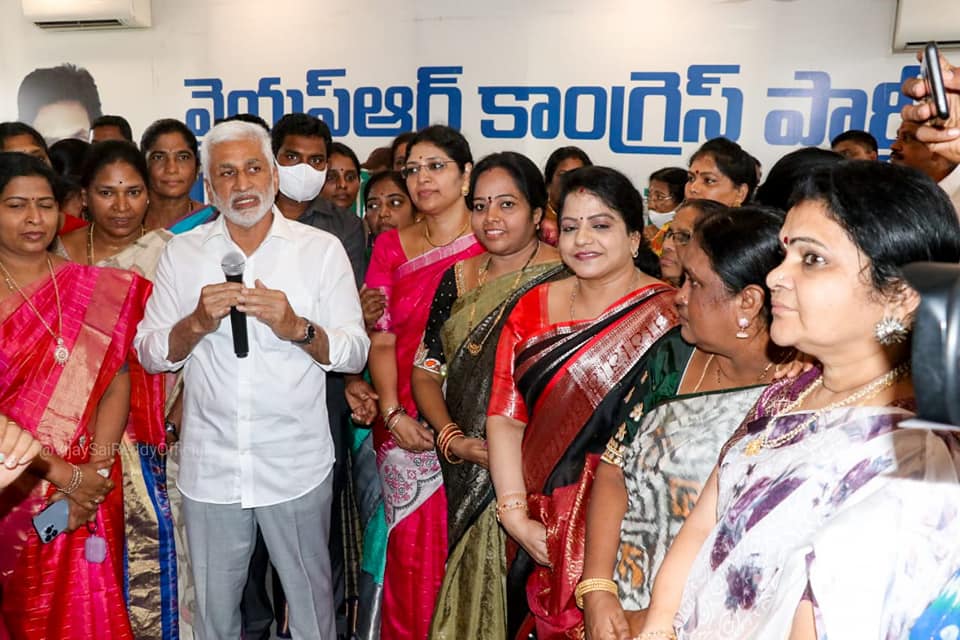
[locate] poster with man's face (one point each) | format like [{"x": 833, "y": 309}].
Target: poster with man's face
[{"x": 60, "y": 102}]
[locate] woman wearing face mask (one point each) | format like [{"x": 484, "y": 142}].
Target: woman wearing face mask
[
  {"x": 556, "y": 392},
  {"x": 665, "y": 194}
]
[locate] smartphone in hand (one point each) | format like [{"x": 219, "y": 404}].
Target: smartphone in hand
[
  {"x": 52, "y": 521},
  {"x": 933, "y": 78}
]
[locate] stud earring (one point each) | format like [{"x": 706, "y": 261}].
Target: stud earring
[
  {"x": 890, "y": 330},
  {"x": 743, "y": 323}
]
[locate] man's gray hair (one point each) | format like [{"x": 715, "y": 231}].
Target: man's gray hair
[{"x": 229, "y": 132}]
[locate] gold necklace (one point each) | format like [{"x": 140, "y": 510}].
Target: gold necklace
[
  {"x": 873, "y": 388},
  {"x": 576, "y": 288},
  {"x": 60, "y": 352},
  {"x": 763, "y": 374},
  {"x": 91, "y": 259},
  {"x": 473, "y": 347},
  {"x": 706, "y": 367},
  {"x": 426, "y": 234}
]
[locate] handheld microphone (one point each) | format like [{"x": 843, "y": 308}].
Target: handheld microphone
[{"x": 232, "y": 265}]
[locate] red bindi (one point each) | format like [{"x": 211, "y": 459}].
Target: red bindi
[{"x": 582, "y": 190}]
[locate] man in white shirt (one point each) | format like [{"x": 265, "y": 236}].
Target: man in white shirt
[{"x": 255, "y": 441}]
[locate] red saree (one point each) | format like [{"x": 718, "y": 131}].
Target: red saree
[
  {"x": 414, "y": 502},
  {"x": 51, "y": 591},
  {"x": 565, "y": 381}
]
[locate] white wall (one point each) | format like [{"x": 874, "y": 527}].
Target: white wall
[{"x": 555, "y": 43}]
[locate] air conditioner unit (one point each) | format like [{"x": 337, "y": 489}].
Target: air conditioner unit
[
  {"x": 62, "y": 15},
  {"x": 920, "y": 21}
]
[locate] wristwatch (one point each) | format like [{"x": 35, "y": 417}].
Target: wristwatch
[{"x": 308, "y": 335}]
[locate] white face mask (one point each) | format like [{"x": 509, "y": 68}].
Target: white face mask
[
  {"x": 657, "y": 219},
  {"x": 301, "y": 182}
]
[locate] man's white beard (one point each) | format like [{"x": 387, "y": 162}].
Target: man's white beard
[{"x": 246, "y": 218}]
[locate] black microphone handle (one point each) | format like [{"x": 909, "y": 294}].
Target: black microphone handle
[{"x": 238, "y": 323}]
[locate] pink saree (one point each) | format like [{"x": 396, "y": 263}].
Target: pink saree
[
  {"x": 413, "y": 497},
  {"x": 50, "y": 591}
]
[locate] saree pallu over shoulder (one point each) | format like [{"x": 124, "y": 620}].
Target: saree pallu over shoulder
[
  {"x": 151, "y": 575},
  {"x": 51, "y": 591},
  {"x": 414, "y": 502},
  {"x": 100, "y": 317},
  {"x": 468, "y": 383},
  {"x": 567, "y": 371},
  {"x": 472, "y": 600},
  {"x": 854, "y": 511},
  {"x": 664, "y": 468},
  {"x": 572, "y": 376}
]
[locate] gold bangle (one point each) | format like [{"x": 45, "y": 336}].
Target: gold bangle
[
  {"x": 452, "y": 459},
  {"x": 394, "y": 419},
  {"x": 76, "y": 479},
  {"x": 389, "y": 412},
  {"x": 450, "y": 432},
  {"x": 594, "y": 584},
  {"x": 657, "y": 635}
]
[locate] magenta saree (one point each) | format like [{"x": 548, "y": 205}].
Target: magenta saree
[
  {"x": 51, "y": 591},
  {"x": 413, "y": 497}
]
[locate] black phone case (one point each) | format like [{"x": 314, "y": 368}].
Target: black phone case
[{"x": 933, "y": 76}]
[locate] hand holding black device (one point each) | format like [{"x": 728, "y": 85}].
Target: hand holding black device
[{"x": 933, "y": 78}]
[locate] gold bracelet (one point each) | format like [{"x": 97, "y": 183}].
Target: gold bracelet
[
  {"x": 657, "y": 635},
  {"x": 594, "y": 584},
  {"x": 510, "y": 506}
]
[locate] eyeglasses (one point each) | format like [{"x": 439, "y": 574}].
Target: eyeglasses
[
  {"x": 657, "y": 196},
  {"x": 682, "y": 238},
  {"x": 434, "y": 166}
]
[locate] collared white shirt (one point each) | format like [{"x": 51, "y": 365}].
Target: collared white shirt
[
  {"x": 255, "y": 429},
  {"x": 951, "y": 184}
]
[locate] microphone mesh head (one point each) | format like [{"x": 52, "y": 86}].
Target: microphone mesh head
[{"x": 233, "y": 263}]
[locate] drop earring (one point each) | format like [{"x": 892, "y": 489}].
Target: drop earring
[{"x": 743, "y": 323}]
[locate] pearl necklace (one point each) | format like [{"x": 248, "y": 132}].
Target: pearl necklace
[{"x": 873, "y": 388}]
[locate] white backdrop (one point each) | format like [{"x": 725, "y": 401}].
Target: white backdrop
[{"x": 799, "y": 70}]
